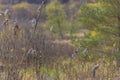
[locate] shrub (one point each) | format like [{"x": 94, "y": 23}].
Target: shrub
[
  {"x": 21, "y": 13},
  {"x": 21, "y": 5}
]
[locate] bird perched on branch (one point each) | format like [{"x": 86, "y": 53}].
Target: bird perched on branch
[
  {"x": 5, "y": 14},
  {"x": 94, "y": 70},
  {"x": 16, "y": 28},
  {"x": 52, "y": 29},
  {"x": 32, "y": 51},
  {"x": 75, "y": 54},
  {"x": 5, "y": 22},
  {"x": 85, "y": 51},
  {"x": 33, "y": 22},
  {"x": 40, "y": 7},
  {"x": 1, "y": 14}
]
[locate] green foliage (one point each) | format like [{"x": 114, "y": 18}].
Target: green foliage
[
  {"x": 56, "y": 17},
  {"x": 48, "y": 72},
  {"x": 92, "y": 15},
  {"x": 101, "y": 19},
  {"x": 27, "y": 73}
]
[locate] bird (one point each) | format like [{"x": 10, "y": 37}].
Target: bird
[
  {"x": 16, "y": 28},
  {"x": 1, "y": 14},
  {"x": 85, "y": 51},
  {"x": 31, "y": 51},
  {"x": 74, "y": 55},
  {"x": 39, "y": 8},
  {"x": 5, "y": 13},
  {"x": 33, "y": 22},
  {"x": 52, "y": 29},
  {"x": 5, "y": 22},
  {"x": 94, "y": 70}
]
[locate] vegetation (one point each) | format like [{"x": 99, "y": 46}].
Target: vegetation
[
  {"x": 56, "y": 17},
  {"x": 61, "y": 40}
]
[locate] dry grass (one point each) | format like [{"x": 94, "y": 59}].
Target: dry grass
[{"x": 52, "y": 59}]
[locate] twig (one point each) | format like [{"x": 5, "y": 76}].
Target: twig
[{"x": 39, "y": 14}]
